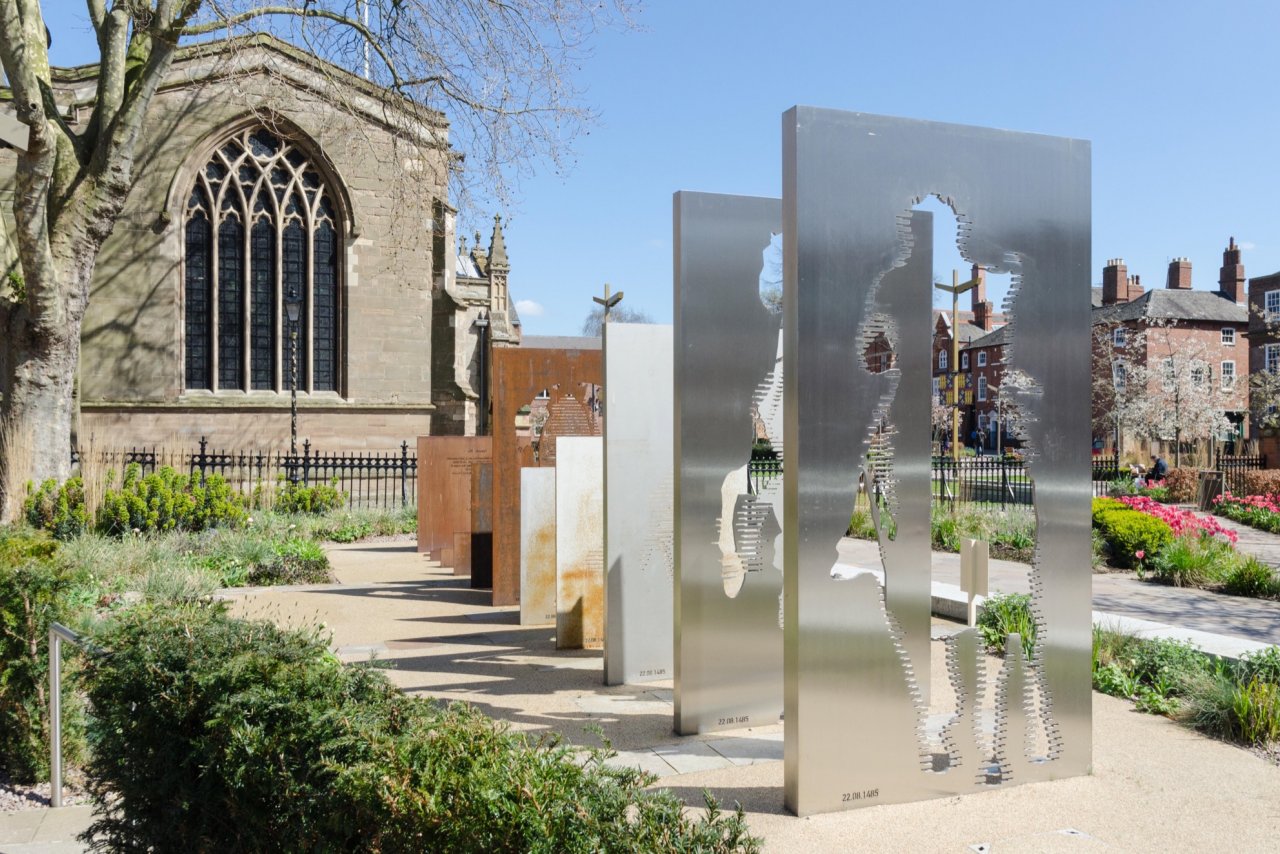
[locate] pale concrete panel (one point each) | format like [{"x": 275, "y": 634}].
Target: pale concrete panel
[
  {"x": 638, "y": 517},
  {"x": 537, "y": 546},
  {"x": 579, "y": 542}
]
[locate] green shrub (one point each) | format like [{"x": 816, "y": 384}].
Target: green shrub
[
  {"x": 1167, "y": 664},
  {"x": 1102, "y": 505},
  {"x": 1181, "y": 485},
  {"x": 1129, "y": 532},
  {"x": 1192, "y": 561},
  {"x": 1112, "y": 646},
  {"x": 35, "y": 590},
  {"x": 295, "y": 561},
  {"x": 1245, "y": 712},
  {"x": 860, "y": 525},
  {"x": 1010, "y": 533},
  {"x": 1122, "y": 486},
  {"x": 255, "y": 558},
  {"x": 1002, "y": 615},
  {"x": 1263, "y": 665},
  {"x": 167, "y": 500},
  {"x": 1262, "y": 482},
  {"x": 1100, "y": 553},
  {"x": 211, "y": 733},
  {"x": 60, "y": 510},
  {"x": 312, "y": 500},
  {"x": 1155, "y": 674},
  {"x": 1251, "y": 577}
]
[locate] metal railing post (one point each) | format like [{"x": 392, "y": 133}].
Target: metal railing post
[{"x": 55, "y": 716}]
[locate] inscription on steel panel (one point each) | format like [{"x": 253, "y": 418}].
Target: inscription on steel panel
[
  {"x": 537, "y": 546},
  {"x": 638, "y": 484},
  {"x": 580, "y": 543},
  {"x": 444, "y": 492},
  {"x": 728, "y": 643},
  {"x": 855, "y": 721}
]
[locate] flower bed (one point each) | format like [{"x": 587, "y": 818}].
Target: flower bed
[
  {"x": 1180, "y": 521},
  {"x": 1256, "y": 511}
]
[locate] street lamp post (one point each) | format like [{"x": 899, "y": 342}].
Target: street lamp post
[
  {"x": 293, "y": 310},
  {"x": 953, "y": 369}
]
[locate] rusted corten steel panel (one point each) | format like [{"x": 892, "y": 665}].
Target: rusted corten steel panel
[
  {"x": 482, "y": 497},
  {"x": 444, "y": 491},
  {"x": 519, "y": 375}
]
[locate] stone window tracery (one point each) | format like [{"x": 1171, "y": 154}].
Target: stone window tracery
[{"x": 260, "y": 224}]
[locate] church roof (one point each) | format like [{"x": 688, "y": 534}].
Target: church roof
[
  {"x": 257, "y": 45},
  {"x": 991, "y": 339}
]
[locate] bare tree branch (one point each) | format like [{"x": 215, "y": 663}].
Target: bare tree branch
[{"x": 97, "y": 16}]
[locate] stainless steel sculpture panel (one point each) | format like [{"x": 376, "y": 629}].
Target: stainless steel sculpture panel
[
  {"x": 538, "y": 546},
  {"x": 856, "y": 727},
  {"x": 579, "y": 542},
  {"x": 728, "y": 580},
  {"x": 637, "y": 502}
]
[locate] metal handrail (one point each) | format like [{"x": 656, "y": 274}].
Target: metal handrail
[{"x": 57, "y": 634}]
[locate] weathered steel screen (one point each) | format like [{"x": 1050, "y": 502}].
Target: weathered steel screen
[
  {"x": 444, "y": 491},
  {"x": 568, "y": 374}
]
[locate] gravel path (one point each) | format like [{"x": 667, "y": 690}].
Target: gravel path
[{"x": 15, "y": 797}]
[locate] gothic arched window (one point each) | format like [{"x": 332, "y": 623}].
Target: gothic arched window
[{"x": 260, "y": 226}]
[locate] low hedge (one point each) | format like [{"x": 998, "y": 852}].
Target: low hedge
[
  {"x": 1131, "y": 535},
  {"x": 216, "y": 734},
  {"x": 1262, "y": 482},
  {"x": 1181, "y": 485},
  {"x": 165, "y": 500}
]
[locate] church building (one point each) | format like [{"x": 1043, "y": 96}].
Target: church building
[{"x": 289, "y": 227}]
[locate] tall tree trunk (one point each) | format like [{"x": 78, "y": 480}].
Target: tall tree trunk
[{"x": 38, "y": 408}]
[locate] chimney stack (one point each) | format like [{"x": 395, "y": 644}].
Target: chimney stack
[
  {"x": 1115, "y": 282},
  {"x": 1231, "y": 278},
  {"x": 1179, "y": 275},
  {"x": 1135, "y": 287},
  {"x": 982, "y": 308}
]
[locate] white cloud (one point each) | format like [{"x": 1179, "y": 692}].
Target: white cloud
[
  {"x": 529, "y": 308},
  {"x": 1246, "y": 245}
]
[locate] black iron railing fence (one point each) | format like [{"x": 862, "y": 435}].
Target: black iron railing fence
[
  {"x": 368, "y": 479},
  {"x": 985, "y": 480},
  {"x": 1233, "y": 468}
]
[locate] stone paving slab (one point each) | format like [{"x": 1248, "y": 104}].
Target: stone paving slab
[{"x": 44, "y": 831}]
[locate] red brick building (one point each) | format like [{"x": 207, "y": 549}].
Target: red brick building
[
  {"x": 1176, "y": 319},
  {"x": 978, "y": 321}
]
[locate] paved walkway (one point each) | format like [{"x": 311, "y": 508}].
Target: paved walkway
[
  {"x": 1154, "y": 786},
  {"x": 1120, "y": 594},
  {"x": 1261, "y": 544}
]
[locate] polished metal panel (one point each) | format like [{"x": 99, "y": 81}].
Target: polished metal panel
[
  {"x": 637, "y": 503},
  {"x": 579, "y": 542},
  {"x": 855, "y": 731},
  {"x": 728, "y": 644},
  {"x": 538, "y": 546},
  {"x": 898, "y": 476}
]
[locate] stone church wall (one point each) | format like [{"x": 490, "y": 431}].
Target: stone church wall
[{"x": 132, "y": 367}]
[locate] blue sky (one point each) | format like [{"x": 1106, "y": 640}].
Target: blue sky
[{"x": 1177, "y": 97}]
